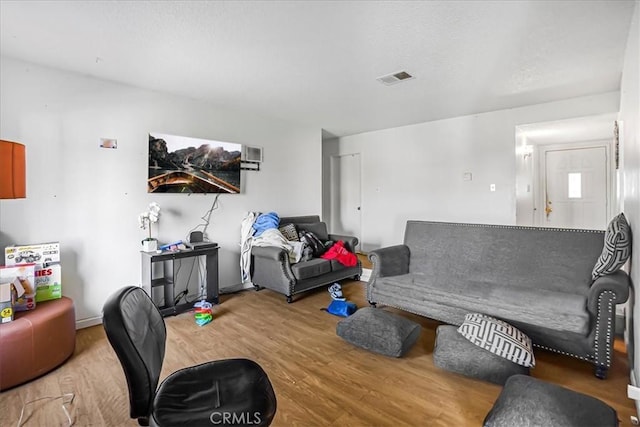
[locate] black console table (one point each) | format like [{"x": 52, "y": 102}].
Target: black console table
[{"x": 153, "y": 262}]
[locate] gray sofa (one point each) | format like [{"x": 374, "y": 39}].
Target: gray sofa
[
  {"x": 538, "y": 279},
  {"x": 272, "y": 269}
]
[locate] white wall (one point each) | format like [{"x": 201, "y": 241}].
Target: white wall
[
  {"x": 416, "y": 172},
  {"x": 89, "y": 198},
  {"x": 630, "y": 139}
]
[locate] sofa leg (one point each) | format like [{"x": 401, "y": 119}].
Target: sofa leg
[
  {"x": 258, "y": 288},
  {"x": 372, "y": 304},
  {"x": 289, "y": 299},
  {"x": 356, "y": 277},
  {"x": 601, "y": 371}
]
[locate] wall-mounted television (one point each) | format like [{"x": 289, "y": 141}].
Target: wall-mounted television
[{"x": 180, "y": 164}]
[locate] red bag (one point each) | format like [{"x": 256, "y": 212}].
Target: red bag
[{"x": 338, "y": 252}]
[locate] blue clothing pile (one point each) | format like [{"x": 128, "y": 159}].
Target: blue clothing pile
[{"x": 265, "y": 222}]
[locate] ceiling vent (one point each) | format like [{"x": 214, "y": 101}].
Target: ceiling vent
[{"x": 393, "y": 78}]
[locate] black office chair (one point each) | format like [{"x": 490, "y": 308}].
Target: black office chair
[{"x": 223, "y": 392}]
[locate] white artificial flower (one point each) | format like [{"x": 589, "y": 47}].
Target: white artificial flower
[{"x": 152, "y": 215}]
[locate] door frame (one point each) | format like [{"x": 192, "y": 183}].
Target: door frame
[
  {"x": 540, "y": 176},
  {"x": 335, "y": 192}
]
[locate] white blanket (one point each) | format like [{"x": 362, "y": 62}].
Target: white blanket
[
  {"x": 246, "y": 231},
  {"x": 273, "y": 237}
]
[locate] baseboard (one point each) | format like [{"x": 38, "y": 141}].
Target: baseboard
[
  {"x": 366, "y": 275},
  {"x": 235, "y": 288},
  {"x": 93, "y": 321},
  {"x": 87, "y": 323},
  {"x": 620, "y": 324},
  {"x": 633, "y": 382}
]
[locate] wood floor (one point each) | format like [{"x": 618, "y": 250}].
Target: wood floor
[{"x": 319, "y": 379}]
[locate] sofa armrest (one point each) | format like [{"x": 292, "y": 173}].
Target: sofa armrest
[
  {"x": 390, "y": 261},
  {"x": 350, "y": 242},
  {"x": 616, "y": 283},
  {"x": 270, "y": 268},
  {"x": 605, "y": 293},
  {"x": 269, "y": 252}
]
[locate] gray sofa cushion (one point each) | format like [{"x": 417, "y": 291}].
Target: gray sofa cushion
[
  {"x": 453, "y": 352},
  {"x": 527, "y": 401},
  {"x": 545, "y": 308},
  {"x": 379, "y": 331},
  {"x": 336, "y": 266},
  {"x": 312, "y": 268},
  {"x": 555, "y": 260}
]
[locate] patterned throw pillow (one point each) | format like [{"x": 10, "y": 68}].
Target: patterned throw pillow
[
  {"x": 289, "y": 232},
  {"x": 617, "y": 248},
  {"x": 498, "y": 337}
]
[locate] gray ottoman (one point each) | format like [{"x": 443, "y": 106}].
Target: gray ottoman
[
  {"x": 455, "y": 353},
  {"x": 379, "y": 331},
  {"x": 527, "y": 401}
]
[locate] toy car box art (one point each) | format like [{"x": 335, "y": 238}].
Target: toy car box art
[
  {"x": 22, "y": 280},
  {"x": 43, "y": 253}
]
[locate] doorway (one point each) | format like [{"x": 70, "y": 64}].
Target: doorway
[
  {"x": 575, "y": 187},
  {"x": 346, "y": 211},
  {"x": 565, "y": 172}
]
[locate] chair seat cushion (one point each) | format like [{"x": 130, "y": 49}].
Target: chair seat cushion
[
  {"x": 239, "y": 391},
  {"x": 379, "y": 331},
  {"x": 528, "y": 401},
  {"x": 455, "y": 353}
]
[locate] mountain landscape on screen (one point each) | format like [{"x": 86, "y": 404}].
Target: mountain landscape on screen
[{"x": 179, "y": 164}]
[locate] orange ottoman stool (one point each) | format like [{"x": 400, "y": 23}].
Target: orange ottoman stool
[{"x": 37, "y": 341}]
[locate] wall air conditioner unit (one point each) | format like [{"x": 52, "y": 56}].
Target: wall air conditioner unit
[{"x": 251, "y": 154}]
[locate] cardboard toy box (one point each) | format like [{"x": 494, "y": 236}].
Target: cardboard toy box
[
  {"x": 43, "y": 253},
  {"x": 6, "y": 306},
  {"x": 48, "y": 272},
  {"x": 22, "y": 279},
  {"x": 48, "y": 282}
]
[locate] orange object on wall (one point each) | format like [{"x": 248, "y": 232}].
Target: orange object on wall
[{"x": 12, "y": 170}]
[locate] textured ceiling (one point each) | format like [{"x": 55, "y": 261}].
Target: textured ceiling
[{"x": 316, "y": 62}]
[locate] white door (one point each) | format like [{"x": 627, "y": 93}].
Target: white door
[
  {"x": 576, "y": 188},
  {"x": 345, "y": 195}
]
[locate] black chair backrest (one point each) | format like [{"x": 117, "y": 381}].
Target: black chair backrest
[{"x": 136, "y": 330}]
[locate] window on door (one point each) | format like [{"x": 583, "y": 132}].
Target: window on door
[{"x": 575, "y": 185}]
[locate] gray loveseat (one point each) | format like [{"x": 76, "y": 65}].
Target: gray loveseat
[
  {"x": 272, "y": 269},
  {"x": 538, "y": 279}
]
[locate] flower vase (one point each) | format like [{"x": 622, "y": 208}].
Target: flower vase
[{"x": 149, "y": 245}]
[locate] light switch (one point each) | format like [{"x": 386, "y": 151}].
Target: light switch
[
  {"x": 467, "y": 176},
  {"x": 492, "y": 187}
]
